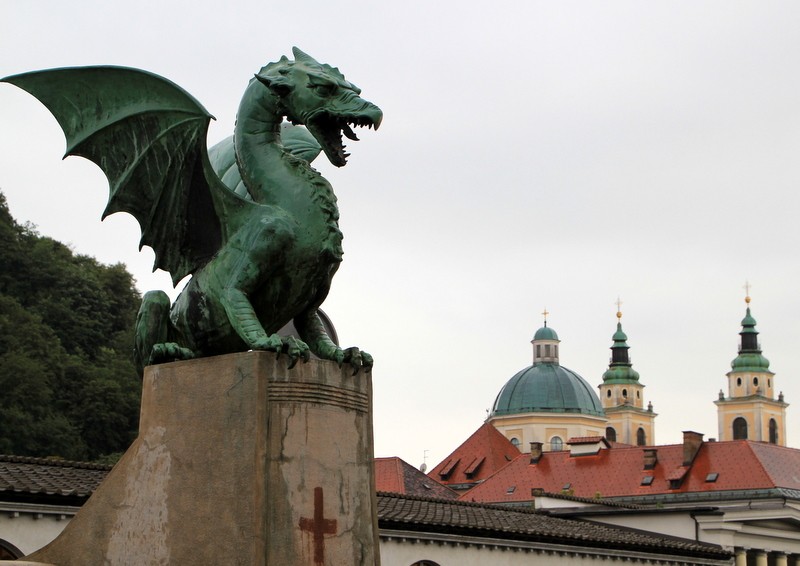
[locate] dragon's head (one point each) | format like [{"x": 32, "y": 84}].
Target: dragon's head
[{"x": 319, "y": 97}]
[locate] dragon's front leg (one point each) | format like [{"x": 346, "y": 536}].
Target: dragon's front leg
[
  {"x": 244, "y": 321},
  {"x": 311, "y": 330},
  {"x": 243, "y": 263}
]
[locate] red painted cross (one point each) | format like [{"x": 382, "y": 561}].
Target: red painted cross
[{"x": 319, "y": 526}]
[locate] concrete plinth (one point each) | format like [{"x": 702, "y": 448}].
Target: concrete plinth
[{"x": 239, "y": 461}]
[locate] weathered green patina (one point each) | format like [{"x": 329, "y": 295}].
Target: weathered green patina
[{"x": 260, "y": 239}]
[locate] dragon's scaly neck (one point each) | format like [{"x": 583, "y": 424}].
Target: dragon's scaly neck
[{"x": 273, "y": 176}]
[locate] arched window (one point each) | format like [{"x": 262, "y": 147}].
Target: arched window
[
  {"x": 556, "y": 444},
  {"x": 773, "y": 431},
  {"x": 739, "y": 428},
  {"x": 608, "y": 393},
  {"x": 755, "y": 381},
  {"x": 738, "y": 381},
  {"x": 425, "y": 563},
  {"x": 515, "y": 441},
  {"x": 8, "y": 551},
  {"x": 625, "y": 393},
  {"x": 641, "y": 437},
  {"x": 611, "y": 434}
]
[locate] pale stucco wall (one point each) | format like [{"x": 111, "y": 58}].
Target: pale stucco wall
[{"x": 29, "y": 531}]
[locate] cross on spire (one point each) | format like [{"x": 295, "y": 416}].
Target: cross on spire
[
  {"x": 618, "y": 302},
  {"x": 544, "y": 314},
  {"x": 747, "y": 292}
]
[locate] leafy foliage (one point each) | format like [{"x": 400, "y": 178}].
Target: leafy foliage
[{"x": 69, "y": 385}]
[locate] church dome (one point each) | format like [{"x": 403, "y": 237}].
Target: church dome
[
  {"x": 545, "y": 333},
  {"x": 547, "y": 388}
]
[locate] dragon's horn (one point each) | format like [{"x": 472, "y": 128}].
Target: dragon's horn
[{"x": 303, "y": 57}]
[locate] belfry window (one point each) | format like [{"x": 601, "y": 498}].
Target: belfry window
[
  {"x": 641, "y": 437},
  {"x": 739, "y": 428},
  {"x": 611, "y": 434},
  {"x": 773, "y": 431}
]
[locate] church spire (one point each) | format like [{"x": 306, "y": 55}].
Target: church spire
[
  {"x": 620, "y": 369},
  {"x": 621, "y": 394},
  {"x": 749, "y": 358},
  {"x": 750, "y": 411}
]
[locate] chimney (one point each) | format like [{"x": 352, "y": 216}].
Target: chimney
[
  {"x": 536, "y": 452},
  {"x": 692, "y": 441},
  {"x": 650, "y": 458}
]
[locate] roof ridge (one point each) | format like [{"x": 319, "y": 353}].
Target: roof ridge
[
  {"x": 460, "y": 502},
  {"x": 749, "y": 445},
  {"x": 51, "y": 461}
]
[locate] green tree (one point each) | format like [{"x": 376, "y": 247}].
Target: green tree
[{"x": 69, "y": 386}]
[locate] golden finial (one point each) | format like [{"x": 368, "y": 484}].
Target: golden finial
[
  {"x": 747, "y": 292},
  {"x": 619, "y": 309},
  {"x": 544, "y": 314}
]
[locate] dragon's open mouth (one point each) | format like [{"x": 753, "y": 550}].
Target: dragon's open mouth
[{"x": 328, "y": 129}]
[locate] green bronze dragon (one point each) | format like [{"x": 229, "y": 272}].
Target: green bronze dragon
[{"x": 253, "y": 223}]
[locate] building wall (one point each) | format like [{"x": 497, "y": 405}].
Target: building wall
[
  {"x": 628, "y": 422},
  {"x": 30, "y": 527},
  {"x": 543, "y": 427},
  {"x": 447, "y": 550},
  {"x": 757, "y": 412}
]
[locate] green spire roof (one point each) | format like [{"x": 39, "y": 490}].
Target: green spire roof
[
  {"x": 620, "y": 369},
  {"x": 749, "y": 358}
]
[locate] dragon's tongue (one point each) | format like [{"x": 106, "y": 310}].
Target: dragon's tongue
[{"x": 349, "y": 133}]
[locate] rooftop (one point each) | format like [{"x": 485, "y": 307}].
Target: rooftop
[
  {"x": 397, "y": 512},
  {"x": 394, "y": 475},
  {"x": 478, "y": 457},
  {"x": 719, "y": 470}
]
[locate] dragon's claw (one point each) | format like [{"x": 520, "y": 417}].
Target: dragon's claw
[
  {"x": 357, "y": 359},
  {"x": 296, "y": 350},
  {"x": 289, "y": 345},
  {"x": 169, "y": 352}
]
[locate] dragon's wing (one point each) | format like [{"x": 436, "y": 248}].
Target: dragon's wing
[{"x": 149, "y": 137}]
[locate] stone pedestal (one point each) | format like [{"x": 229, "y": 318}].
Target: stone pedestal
[{"x": 239, "y": 461}]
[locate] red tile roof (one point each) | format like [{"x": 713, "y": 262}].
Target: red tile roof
[
  {"x": 393, "y": 475},
  {"x": 24, "y": 478},
  {"x": 618, "y": 472},
  {"x": 497, "y": 523},
  {"x": 480, "y": 456}
]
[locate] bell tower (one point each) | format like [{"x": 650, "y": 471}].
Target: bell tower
[
  {"x": 622, "y": 396},
  {"x": 750, "y": 410}
]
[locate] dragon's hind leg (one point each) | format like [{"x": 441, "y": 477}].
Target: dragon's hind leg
[{"x": 151, "y": 338}]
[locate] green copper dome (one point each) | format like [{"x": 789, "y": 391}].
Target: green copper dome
[
  {"x": 545, "y": 333},
  {"x": 547, "y": 388}
]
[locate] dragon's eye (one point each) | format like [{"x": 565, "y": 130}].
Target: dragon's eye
[{"x": 323, "y": 89}]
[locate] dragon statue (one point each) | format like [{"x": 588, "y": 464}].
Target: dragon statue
[{"x": 250, "y": 220}]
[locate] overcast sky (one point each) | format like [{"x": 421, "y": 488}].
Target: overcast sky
[{"x": 533, "y": 154}]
